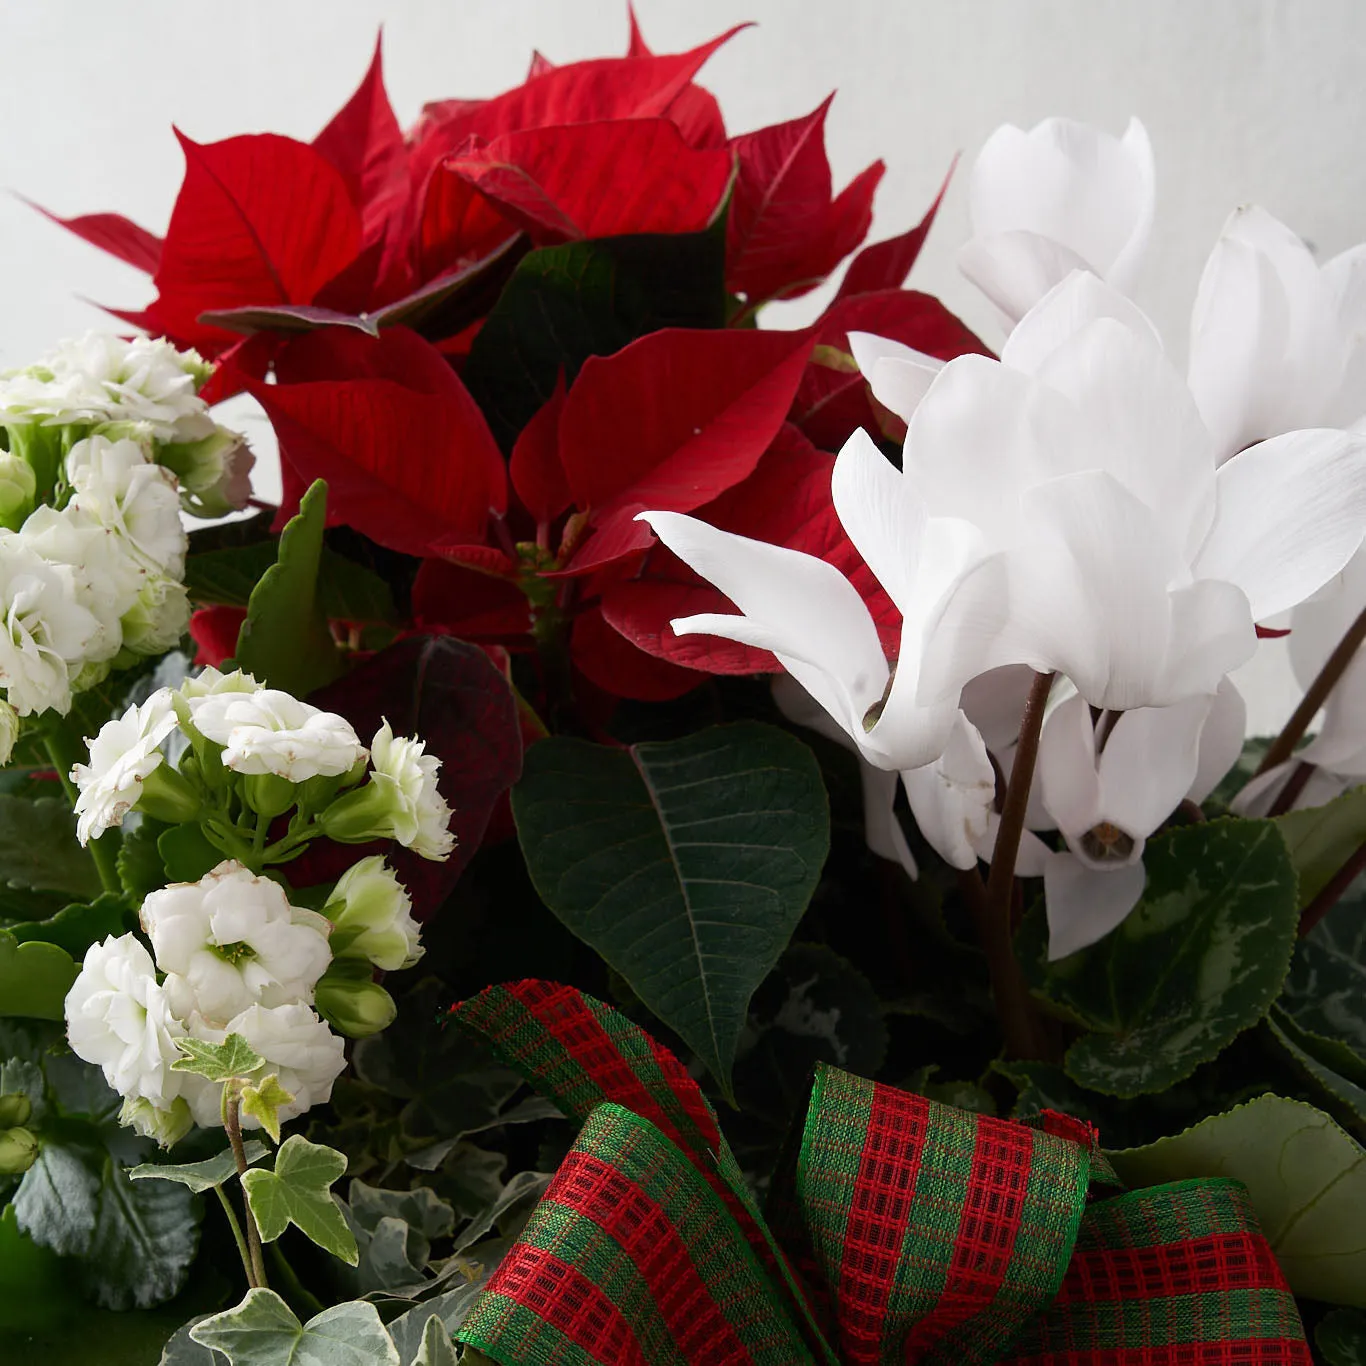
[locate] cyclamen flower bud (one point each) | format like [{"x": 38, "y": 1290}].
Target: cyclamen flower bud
[{"x": 372, "y": 917}]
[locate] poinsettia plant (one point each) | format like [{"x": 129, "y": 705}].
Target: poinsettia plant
[{"x": 849, "y": 700}]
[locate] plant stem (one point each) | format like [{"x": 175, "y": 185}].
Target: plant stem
[
  {"x": 1008, "y": 984},
  {"x": 64, "y": 752},
  {"x": 1283, "y": 746},
  {"x": 232, "y": 1123},
  {"x": 1332, "y": 891},
  {"x": 1294, "y": 785},
  {"x": 236, "y": 1235}
]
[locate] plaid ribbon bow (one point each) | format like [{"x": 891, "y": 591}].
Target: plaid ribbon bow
[{"x": 903, "y": 1231}]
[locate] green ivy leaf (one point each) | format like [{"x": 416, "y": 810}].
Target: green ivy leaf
[
  {"x": 686, "y": 864},
  {"x": 226, "y": 1061},
  {"x": 285, "y": 642},
  {"x": 1341, "y": 1337},
  {"x": 420, "y": 1208},
  {"x": 447, "y": 1310},
  {"x": 299, "y": 1192},
  {"x": 1322, "y": 838},
  {"x": 1325, "y": 990},
  {"x": 34, "y": 978},
  {"x": 1306, "y": 1178},
  {"x": 394, "y": 1232},
  {"x": 263, "y": 1331},
  {"x": 75, "y": 927},
  {"x": 38, "y": 848},
  {"x": 1200, "y": 959},
  {"x": 347, "y": 591},
  {"x": 438, "y": 1347},
  {"x": 199, "y": 1176},
  {"x": 566, "y": 303},
  {"x": 263, "y": 1102}
]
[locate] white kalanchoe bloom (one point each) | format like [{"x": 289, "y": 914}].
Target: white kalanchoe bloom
[
  {"x": 1061, "y": 197},
  {"x": 405, "y": 776},
  {"x": 1107, "y": 785},
  {"x": 118, "y": 1018},
  {"x": 214, "y": 474},
  {"x": 232, "y": 940},
  {"x": 158, "y": 618},
  {"x": 268, "y": 731},
  {"x": 9, "y": 731},
  {"x": 46, "y": 630},
  {"x": 122, "y": 756},
  {"x": 370, "y": 903},
  {"x": 1278, "y": 342},
  {"x": 167, "y": 1127},
  {"x": 117, "y": 485},
  {"x": 1114, "y": 550},
  {"x": 210, "y": 682},
  {"x": 296, "y": 1045},
  {"x": 100, "y": 378}
]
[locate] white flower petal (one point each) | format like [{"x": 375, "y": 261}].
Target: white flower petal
[
  {"x": 1080, "y": 298},
  {"x": 1221, "y": 741},
  {"x": 898, "y": 375},
  {"x": 1016, "y": 269},
  {"x": 1066, "y": 775},
  {"x": 1149, "y": 763},
  {"x": 1085, "y": 904}
]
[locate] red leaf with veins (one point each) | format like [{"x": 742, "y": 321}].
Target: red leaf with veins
[
  {"x": 611, "y": 662},
  {"x": 112, "y": 232},
  {"x": 407, "y": 454},
  {"x": 536, "y": 470},
  {"x": 603, "y": 179},
  {"x": 259, "y": 219},
  {"x": 885, "y": 265},
  {"x": 786, "y": 501},
  {"x": 785, "y": 233},
  {"x": 454, "y": 599},
  {"x": 458, "y": 226}
]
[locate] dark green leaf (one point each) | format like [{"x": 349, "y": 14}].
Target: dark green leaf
[
  {"x": 75, "y": 928},
  {"x": 19, "y": 1077},
  {"x": 186, "y": 854},
  {"x": 199, "y": 1176},
  {"x": 38, "y": 848},
  {"x": 1332, "y": 1069},
  {"x": 58, "y": 1202},
  {"x": 566, "y": 303},
  {"x": 1200, "y": 959},
  {"x": 299, "y": 1192},
  {"x": 420, "y": 1208},
  {"x": 263, "y": 1331},
  {"x": 686, "y": 864},
  {"x": 1322, "y": 838},
  {"x": 34, "y": 978},
  {"x": 1306, "y": 1178},
  {"x": 1341, "y": 1337},
  {"x": 285, "y": 642},
  {"x": 141, "y": 867},
  {"x": 1325, "y": 991}
]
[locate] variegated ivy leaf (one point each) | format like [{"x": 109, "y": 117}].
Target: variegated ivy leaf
[
  {"x": 264, "y": 1101},
  {"x": 263, "y": 1331},
  {"x": 225, "y": 1061},
  {"x": 299, "y": 1192}
]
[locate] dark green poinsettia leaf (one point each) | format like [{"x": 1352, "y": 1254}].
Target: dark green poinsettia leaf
[
  {"x": 34, "y": 978},
  {"x": 264, "y": 1331},
  {"x": 1341, "y": 1337},
  {"x": 1325, "y": 990},
  {"x": 566, "y": 303},
  {"x": 1306, "y": 1178},
  {"x": 1200, "y": 959},
  {"x": 74, "y": 928},
  {"x": 1322, "y": 838},
  {"x": 686, "y": 864},
  {"x": 38, "y": 848},
  {"x": 285, "y": 641}
]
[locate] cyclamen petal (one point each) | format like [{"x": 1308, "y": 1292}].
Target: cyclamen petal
[{"x": 1084, "y": 904}]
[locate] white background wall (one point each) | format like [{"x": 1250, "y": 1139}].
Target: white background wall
[{"x": 1245, "y": 100}]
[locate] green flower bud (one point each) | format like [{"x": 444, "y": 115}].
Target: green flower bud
[
  {"x": 9, "y": 731},
  {"x": 372, "y": 914},
  {"x": 354, "y": 1007},
  {"x": 18, "y": 1151},
  {"x": 360, "y": 816},
  {"x": 18, "y": 485},
  {"x": 268, "y": 794},
  {"x": 15, "y": 1109},
  {"x": 169, "y": 796}
]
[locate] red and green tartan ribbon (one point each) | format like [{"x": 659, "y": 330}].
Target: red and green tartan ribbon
[{"x": 907, "y": 1231}]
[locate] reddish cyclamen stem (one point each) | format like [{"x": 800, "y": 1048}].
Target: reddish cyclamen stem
[{"x": 1332, "y": 891}]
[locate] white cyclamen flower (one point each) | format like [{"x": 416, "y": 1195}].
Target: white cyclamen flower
[
  {"x": 372, "y": 913},
  {"x": 1278, "y": 342},
  {"x": 295, "y": 1044},
  {"x": 45, "y": 631},
  {"x": 406, "y": 776},
  {"x": 232, "y": 940},
  {"x": 268, "y": 731},
  {"x": 1061, "y": 197},
  {"x": 118, "y": 486},
  {"x": 118, "y": 1018},
  {"x": 122, "y": 756},
  {"x": 1118, "y": 552}
]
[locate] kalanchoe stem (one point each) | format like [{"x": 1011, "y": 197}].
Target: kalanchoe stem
[
  {"x": 64, "y": 751},
  {"x": 1283, "y": 746},
  {"x": 1008, "y": 984},
  {"x": 232, "y": 1104},
  {"x": 1333, "y": 890}
]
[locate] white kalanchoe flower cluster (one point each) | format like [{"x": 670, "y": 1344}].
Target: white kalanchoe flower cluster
[{"x": 1080, "y": 509}]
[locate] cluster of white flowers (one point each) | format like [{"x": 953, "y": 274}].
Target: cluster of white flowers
[
  {"x": 230, "y": 953},
  {"x": 1079, "y": 508},
  {"x": 106, "y": 440}
]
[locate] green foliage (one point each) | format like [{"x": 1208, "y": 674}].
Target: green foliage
[
  {"x": 1341, "y": 1338},
  {"x": 264, "y": 1101},
  {"x": 185, "y": 854},
  {"x": 141, "y": 868},
  {"x": 226, "y": 1061},
  {"x": 1325, "y": 990},
  {"x": 75, "y": 927},
  {"x": 1200, "y": 959},
  {"x": 1306, "y": 1177},
  {"x": 1336, "y": 1074},
  {"x": 199, "y": 1176},
  {"x": 264, "y": 1331},
  {"x": 34, "y": 978},
  {"x": 299, "y": 1192},
  {"x": 38, "y": 848},
  {"x": 1322, "y": 838},
  {"x": 438, "y": 1347},
  {"x": 580, "y": 299},
  {"x": 394, "y": 1231},
  {"x": 285, "y": 641},
  {"x": 686, "y": 864}
]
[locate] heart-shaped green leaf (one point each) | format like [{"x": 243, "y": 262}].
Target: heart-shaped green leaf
[
  {"x": 1322, "y": 838},
  {"x": 263, "y": 1331},
  {"x": 299, "y": 1192}
]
